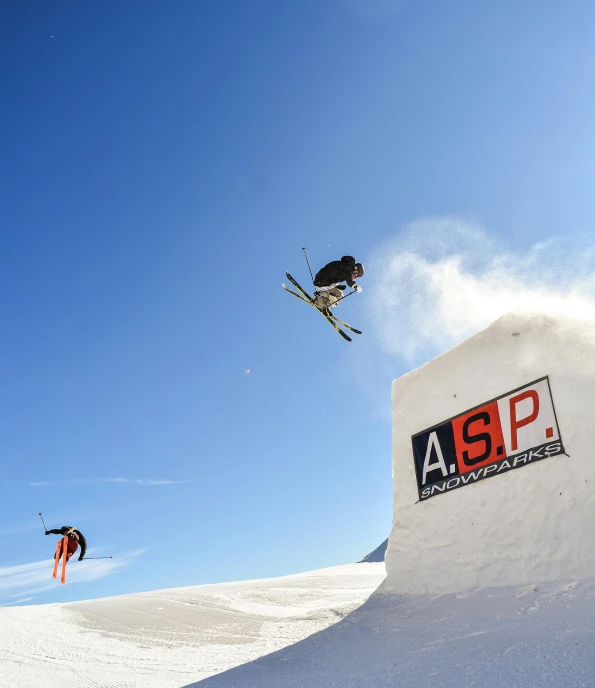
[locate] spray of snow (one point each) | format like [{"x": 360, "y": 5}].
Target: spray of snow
[{"x": 443, "y": 279}]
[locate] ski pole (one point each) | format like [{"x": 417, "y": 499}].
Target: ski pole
[
  {"x": 346, "y": 295},
  {"x": 307, "y": 261},
  {"x": 41, "y": 517},
  {"x": 85, "y": 558}
]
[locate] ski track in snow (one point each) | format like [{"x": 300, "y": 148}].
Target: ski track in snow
[{"x": 169, "y": 638}]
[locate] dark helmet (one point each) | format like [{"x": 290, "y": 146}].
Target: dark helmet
[{"x": 359, "y": 268}]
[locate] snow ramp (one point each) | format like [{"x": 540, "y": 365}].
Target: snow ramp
[
  {"x": 491, "y": 559},
  {"x": 494, "y": 460}
]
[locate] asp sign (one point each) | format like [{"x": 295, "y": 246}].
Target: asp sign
[{"x": 509, "y": 432}]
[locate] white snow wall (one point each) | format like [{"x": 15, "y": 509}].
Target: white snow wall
[{"x": 528, "y": 525}]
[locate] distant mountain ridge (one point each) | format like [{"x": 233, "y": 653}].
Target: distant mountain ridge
[{"x": 377, "y": 555}]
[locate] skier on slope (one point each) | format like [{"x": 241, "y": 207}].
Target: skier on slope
[
  {"x": 74, "y": 536},
  {"x": 327, "y": 281}
]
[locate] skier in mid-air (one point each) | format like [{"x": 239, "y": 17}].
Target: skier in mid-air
[
  {"x": 329, "y": 290},
  {"x": 74, "y": 537},
  {"x": 328, "y": 281}
]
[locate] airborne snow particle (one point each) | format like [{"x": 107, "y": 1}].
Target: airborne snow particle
[{"x": 246, "y": 371}]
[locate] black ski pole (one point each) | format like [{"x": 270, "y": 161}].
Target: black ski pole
[
  {"x": 346, "y": 295},
  {"x": 307, "y": 261},
  {"x": 41, "y": 517},
  {"x": 85, "y": 558}
]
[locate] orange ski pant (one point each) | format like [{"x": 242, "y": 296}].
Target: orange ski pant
[{"x": 71, "y": 547}]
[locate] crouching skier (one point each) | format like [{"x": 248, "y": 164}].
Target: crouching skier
[{"x": 329, "y": 289}]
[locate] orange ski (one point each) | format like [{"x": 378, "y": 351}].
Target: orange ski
[
  {"x": 57, "y": 559},
  {"x": 64, "y": 560}
]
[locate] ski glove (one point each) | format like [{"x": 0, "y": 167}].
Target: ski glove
[
  {"x": 80, "y": 558},
  {"x": 357, "y": 288},
  {"x": 47, "y": 532}
]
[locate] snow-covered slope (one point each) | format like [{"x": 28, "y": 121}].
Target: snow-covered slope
[
  {"x": 522, "y": 637},
  {"x": 168, "y": 638}
]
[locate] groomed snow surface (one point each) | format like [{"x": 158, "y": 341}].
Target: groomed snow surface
[
  {"x": 521, "y": 637},
  {"x": 171, "y": 638},
  {"x": 516, "y": 636}
]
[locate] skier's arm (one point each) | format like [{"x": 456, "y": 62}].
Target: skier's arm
[
  {"x": 348, "y": 264},
  {"x": 83, "y": 544},
  {"x": 55, "y": 531}
]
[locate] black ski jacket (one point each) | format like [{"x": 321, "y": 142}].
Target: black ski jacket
[
  {"x": 73, "y": 533},
  {"x": 336, "y": 271}
]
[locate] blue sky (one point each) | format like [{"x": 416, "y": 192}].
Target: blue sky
[{"x": 162, "y": 166}]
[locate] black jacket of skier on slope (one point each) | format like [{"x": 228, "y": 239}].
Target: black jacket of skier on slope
[{"x": 75, "y": 538}]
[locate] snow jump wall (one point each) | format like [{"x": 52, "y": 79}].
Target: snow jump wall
[{"x": 494, "y": 460}]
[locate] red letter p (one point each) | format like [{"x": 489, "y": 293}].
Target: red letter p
[{"x": 516, "y": 423}]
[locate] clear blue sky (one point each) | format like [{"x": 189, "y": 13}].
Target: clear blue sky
[{"x": 162, "y": 165}]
